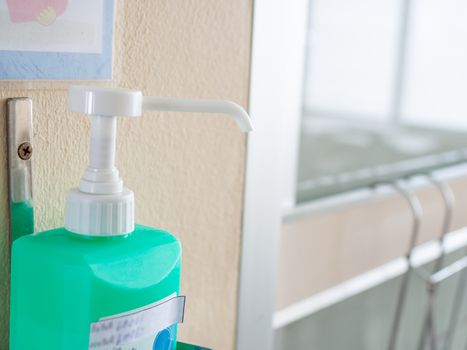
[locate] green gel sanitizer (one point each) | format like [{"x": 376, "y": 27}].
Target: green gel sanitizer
[{"x": 102, "y": 282}]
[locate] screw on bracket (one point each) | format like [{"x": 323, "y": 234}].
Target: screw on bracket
[{"x": 25, "y": 151}]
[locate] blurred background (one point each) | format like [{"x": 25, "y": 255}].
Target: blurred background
[
  {"x": 385, "y": 84},
  {"x": 380, "y": 194}
]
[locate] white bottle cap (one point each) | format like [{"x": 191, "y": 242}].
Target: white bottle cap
[{"x": 101, "y": 205}]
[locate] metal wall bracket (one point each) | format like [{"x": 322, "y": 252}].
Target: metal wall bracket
[{"x": 20, "y": 151}]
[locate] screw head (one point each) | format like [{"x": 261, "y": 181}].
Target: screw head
[{"x": 25, "y": 151}]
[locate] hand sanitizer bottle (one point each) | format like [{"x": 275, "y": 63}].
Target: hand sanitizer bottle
[{"x": 102, "y": 282}]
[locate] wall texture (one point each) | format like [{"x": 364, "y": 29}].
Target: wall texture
[{"x": 186, "y": 170}]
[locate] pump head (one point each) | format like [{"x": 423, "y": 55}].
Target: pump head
[{"x": 101, "y": 205}]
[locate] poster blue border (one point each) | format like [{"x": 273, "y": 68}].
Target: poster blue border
[{"x": 28, "y": 65}]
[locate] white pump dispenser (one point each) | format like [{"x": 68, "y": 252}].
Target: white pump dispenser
[{"x": 101, "y": 206}]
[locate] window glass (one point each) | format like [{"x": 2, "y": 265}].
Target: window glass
[
  {"x": 436, "y": 74},
  {"x": 351, "y": 61},
  {"x": 385, "y": 92}
]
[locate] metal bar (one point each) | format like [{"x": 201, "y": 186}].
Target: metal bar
[
  {"x": 431, "y": 325},
  {"x": 428, "y": 324},
  {"x": 401, "y": 61},
  {"x": 424, "y": 254},
  {"x": 20, "y": 149},
  {"x": 368, "y": 194},
  {"x": 456, "y": 309},
  {"x": 449, "y": 203},
  {"x": 417, "y": 213},
  {"x": 449, "y": 271},
  {"x": 432, "y": 282}
]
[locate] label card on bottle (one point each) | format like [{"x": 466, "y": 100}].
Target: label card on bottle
[{"x": 149, "y": 327}]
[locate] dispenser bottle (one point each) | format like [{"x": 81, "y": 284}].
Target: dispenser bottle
[{"x": 102, "y": 282}]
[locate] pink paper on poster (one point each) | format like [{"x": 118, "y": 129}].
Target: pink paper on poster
[{"x": 29, "y": 10}]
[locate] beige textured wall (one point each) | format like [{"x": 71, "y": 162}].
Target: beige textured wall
[{"x": 186, "y": 171}]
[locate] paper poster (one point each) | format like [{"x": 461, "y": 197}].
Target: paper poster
[{"x": 56, "y": 39}]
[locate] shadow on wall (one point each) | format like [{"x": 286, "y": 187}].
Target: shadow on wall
[{"x": 4, "y": 239}]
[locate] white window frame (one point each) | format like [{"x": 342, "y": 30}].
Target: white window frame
[{"x": 272, "y": 152}]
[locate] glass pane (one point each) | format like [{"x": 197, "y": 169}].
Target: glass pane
[
  {"x": 436, "y": 74},
  {"x": 340, "y": 155},
  {"x": 351, "y": 61},
  {"x": 385, "y": 92}
]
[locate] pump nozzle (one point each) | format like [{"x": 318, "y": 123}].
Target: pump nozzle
[
  {"x": 101, "y": 205},
  {"x": 203, "y": 106},
  {"x": 130, "y": 103}
]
